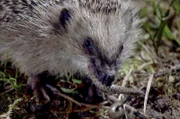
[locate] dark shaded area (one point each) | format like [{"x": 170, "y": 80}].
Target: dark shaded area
[{"x": 58, "y": 106}]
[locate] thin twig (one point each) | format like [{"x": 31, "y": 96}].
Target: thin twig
[
  {"x": 125, "y": 82},
  {"x": 147, "y": 92},
  {"x": 56, "y": 92},
  {"x": 144, "y": 65}
]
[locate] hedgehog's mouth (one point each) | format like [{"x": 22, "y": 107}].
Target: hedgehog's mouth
[
  {"x": 101, "y": 76},
  {"x": 102, "y": 70}
]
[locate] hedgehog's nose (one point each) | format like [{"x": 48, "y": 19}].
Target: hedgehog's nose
[{"x": 108, "y": 79}]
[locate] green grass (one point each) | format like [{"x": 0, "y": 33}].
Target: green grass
[{"x": 161, "y": 21}]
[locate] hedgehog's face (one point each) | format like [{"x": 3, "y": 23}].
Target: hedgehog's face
[
  {"x": 104, "y": 40},
  {"x": 99, "y": 63}
]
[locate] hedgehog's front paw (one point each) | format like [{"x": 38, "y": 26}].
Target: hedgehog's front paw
[{"x": 39, "y": 88}]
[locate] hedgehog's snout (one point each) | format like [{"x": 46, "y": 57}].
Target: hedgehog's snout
[{"x": 107, "y": 79}]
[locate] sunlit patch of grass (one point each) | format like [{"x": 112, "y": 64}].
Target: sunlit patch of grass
[{"x": 160, "y": 21}]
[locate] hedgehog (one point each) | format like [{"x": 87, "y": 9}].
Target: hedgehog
[{"x": 90, "y": 37}]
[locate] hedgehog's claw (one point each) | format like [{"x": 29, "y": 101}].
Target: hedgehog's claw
[{"x": 39, "y": 89}]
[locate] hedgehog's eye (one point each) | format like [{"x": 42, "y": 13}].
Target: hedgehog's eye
[
  {"x": 64, "y": 17},
  {"x": 89, "y": 45}
]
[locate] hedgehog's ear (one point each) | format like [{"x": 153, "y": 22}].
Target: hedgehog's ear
[{"x": 64, "y": 17}]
